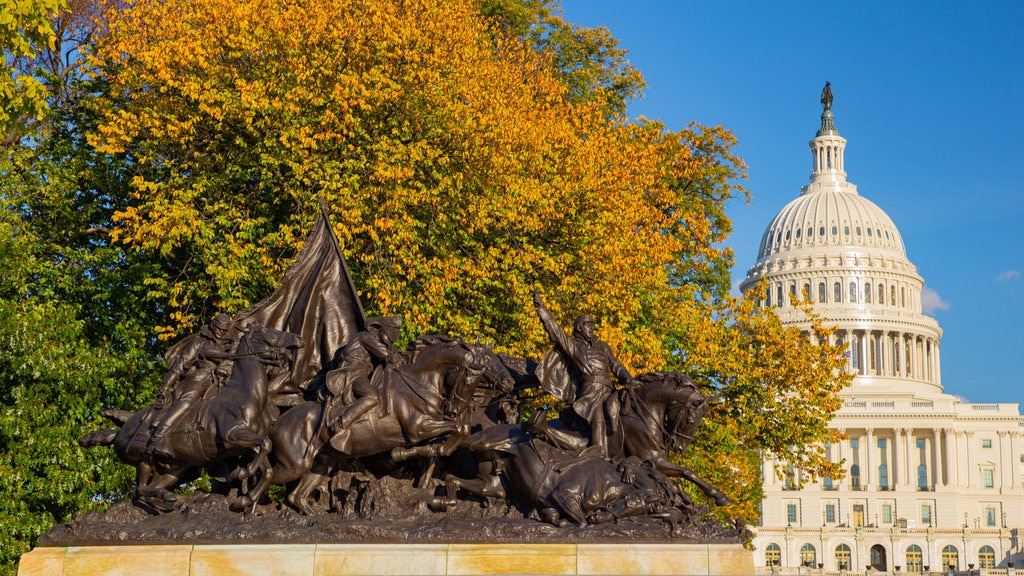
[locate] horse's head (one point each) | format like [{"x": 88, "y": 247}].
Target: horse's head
[
  {"x": 681, "y": 402},
  {"x": 687, "y": 407},
  {"x": 269, "y": 344},
  {"x": 488, "y": 368}
]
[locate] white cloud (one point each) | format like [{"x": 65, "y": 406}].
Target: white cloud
[
  {"x": 931, "y": 301},
  {"x": 1008, "y": 275}
]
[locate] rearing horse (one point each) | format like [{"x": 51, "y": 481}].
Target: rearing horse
[
  {"x": 417, "y": 400},
  {"x": 236, "y": 418},
  {"x": 660, "y": 416}
]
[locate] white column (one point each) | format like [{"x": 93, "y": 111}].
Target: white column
[
  {"x": 1014, "y": 458},
  {"x": 968, "y": 461},
  {"x": 952, "y": 468},
  {"x": 897, "y": 458},
  {"x": 908, "y": 468},
  {"x": 869, "y": 470},
  {"x": 1005, "y": 465},
  {"x": 938, "y": 478}
]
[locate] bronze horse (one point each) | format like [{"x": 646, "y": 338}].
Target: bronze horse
[
  {"x": 236, "y": 417},
  {"x": 660, "y": 416},
  {"x": 561, "y": 485},
  {"x": 423, "y": 408}
]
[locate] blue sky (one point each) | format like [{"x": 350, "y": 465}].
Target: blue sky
[{"x": 928, "y": 96}]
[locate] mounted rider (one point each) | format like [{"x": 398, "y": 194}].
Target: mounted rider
[
  {"x": 578, "y": 369},
  {"x": 195, "y": 364},
  {"x": 353, "y": 379}
]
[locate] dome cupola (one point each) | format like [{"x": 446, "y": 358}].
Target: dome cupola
[{"x": 847, "y": 255}]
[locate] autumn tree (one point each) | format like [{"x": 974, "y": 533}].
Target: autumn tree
[{"x": 466, "y": 161}]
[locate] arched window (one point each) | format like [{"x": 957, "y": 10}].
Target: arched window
[
  {"x": 773, "y": 555},
  {"x": 778, "y": 294},
  {"x": 950, "y": 558},
  {"x": 853, "y": 292},
  {"x": 837, "y": 290},
  {"x": 883, "y": 476},
  {"x": 986, "y": 557},
  {"x": 843, "y": 557},
  {"x": 892, "y": 295},
  {"x": 867, "y": 293},
  {"x": 914, "y": 559},
  {"x": 855, "y": 354},
  {"x": 808, "y": 555},
  {"x": 881, "y": 294},
  {"x": 903, "y": 297},
  {"x": 922, "y": 477},
  {"x": 855, "y": 477},
  {"x": 821, "y": 292},
  {"x": 807, "y": 292},
  {"x": 768, "y": 296}
]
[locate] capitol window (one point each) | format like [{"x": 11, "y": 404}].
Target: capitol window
[
  {"x": 926, "y": 514},
  {"x": 986, "y": 443},
  {"x": 791, "y": 513},
  {"x": 821, "y": 292},
  {"x": 990, "y": 516},
  {"x": 853, "y": 292},
  {"x": 881, "y": 294},
  {"x": 867, "y": 293},
  {"x": 830, "y": 513},
  {"x": 986, "y": 557},
  {"x": 837, "y": 290},
  {"x": 773, "y": 555},
  {"x": 887, "y": 513},
  {"x": 821, "y": 231},
  {"x": 842, "y": 557},
  {"x": 808, "y": 556},
  {"x": 988, "y": 477},
  {"x": 883, "y": 477}
]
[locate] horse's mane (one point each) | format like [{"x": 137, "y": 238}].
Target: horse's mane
[{"x": 413, "y": 349}]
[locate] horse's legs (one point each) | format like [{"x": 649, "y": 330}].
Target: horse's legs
[
  {"x": 458, "y": 433},
  {"x": 673, "y": 471},
  {"x": 151, "y": 489},
  {"x": 571, "y": 504},
  {"x": 299, "y": 496}
]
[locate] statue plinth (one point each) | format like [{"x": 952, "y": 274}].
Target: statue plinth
[{"x": 426, "y": 559}]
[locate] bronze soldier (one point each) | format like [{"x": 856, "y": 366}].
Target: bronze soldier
[
  {"x": 593, "y": 363},
  {"x": 351, "y": 382},
  {"x": 194, "y": 364}
]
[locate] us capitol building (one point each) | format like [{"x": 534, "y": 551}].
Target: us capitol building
[{"x": 933, "y": 483}]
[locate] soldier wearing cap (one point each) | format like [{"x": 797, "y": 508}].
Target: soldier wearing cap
[
  {"x": 352, "y": 381},
  {"x": 589, "y": 383},
  {"x": 194, "y": 364}
]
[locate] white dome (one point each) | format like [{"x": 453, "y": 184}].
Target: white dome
[
  {"x": 828, "y": 220},
  {"x": 848, "y": 256}
]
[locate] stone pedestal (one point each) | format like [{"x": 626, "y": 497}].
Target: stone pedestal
[{"x": 388, "y": 559}]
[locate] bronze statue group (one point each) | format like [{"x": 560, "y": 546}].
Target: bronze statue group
[{"x": 302, "y": 389}]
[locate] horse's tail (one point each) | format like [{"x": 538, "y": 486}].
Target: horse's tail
[
  {"x": 116, "y": 415},
  {"x": 104, "y": 437}
]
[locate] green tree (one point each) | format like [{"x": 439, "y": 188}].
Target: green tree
[{"x": 75, "y": 332}]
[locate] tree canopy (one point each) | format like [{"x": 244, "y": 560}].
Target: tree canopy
[{"x": 469, "y": 153}]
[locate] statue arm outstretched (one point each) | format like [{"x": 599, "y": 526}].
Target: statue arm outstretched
[{"x": 555, "y": 332}]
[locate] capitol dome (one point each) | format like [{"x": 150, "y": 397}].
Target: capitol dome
[{"x": 848, "y": 257}]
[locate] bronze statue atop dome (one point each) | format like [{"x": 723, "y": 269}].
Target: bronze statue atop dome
[{"x": 826, "y": 96}]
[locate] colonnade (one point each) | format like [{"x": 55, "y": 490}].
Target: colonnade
[{"x": 893, "y": 353}]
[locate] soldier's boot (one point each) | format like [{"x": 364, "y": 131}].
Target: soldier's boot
[
  {"x": 341, "y": 435},
  {"x": 156, "y": 448}
]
